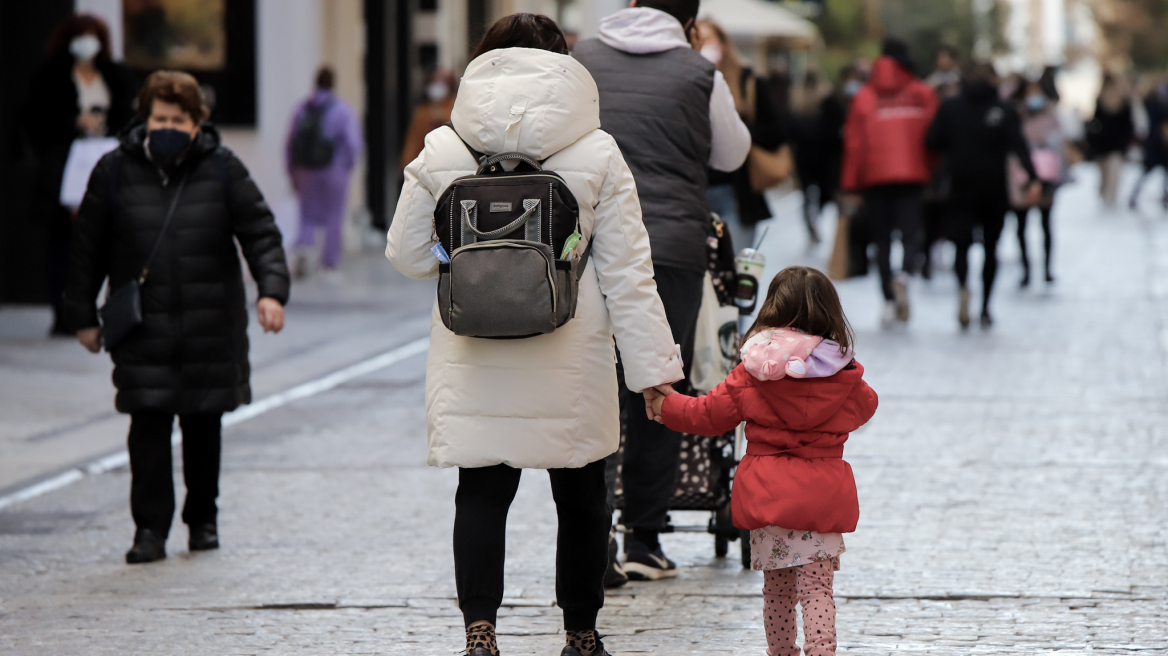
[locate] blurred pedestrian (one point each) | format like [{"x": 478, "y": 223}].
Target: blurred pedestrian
[
  {"x": 886, "y": 161},
  {"x": 946, "y": 83},
  {"x": 431, "y": 114},
  {"x": 731, "y": 194},
  {"x": 801, "y": 393},
  {"x": 1044, "y": 136},
  {"x": 79, "y": 93},
  {"x": 324, "y": 144},
  {"x": 160, "y": 221},
  {"x": 496, "y": 407},
  {"x": 1110, "y": 134},
  {"x": 814, "y": 161},
  {"x": 1155, "y": 144},
  {"x": 977, "y": 130},
  {"x": 674, "y": 116}
]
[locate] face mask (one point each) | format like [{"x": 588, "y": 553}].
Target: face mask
[
  {"x": 437, "y": 91},
  {"x": 712, "y": 52},
  {"x": 166, "y": 145},
  {"x": 852, "y": 87},
  {"x": 85, "y": 47},
  {"x": 1035, "y": 102}
]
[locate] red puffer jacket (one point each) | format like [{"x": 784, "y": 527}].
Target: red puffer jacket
[
  {"x": 884, "y": 136},
  {"x": 793, "y": 474}
]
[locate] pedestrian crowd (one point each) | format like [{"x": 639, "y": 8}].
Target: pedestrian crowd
[{"x": 578, "y": 208}]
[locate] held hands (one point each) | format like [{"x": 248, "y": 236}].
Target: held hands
[
  {"x": 654, "y": 399},
  {"x": 271, "y": 314},
  {"x": 90, "y": 338}
]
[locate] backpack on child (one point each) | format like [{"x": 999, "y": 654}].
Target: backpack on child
[
  {"x": 311, "y": 148},
  {"x": 507, "y": 244}
]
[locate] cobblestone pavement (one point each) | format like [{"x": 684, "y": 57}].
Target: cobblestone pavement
[{"x": 1013, "y": 492}]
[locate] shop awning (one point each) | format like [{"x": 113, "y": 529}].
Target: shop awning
[{"x": 760, "y": 19}]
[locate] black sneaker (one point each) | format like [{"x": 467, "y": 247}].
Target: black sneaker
[
  {"x": 614, "y": 576},
  {"x": 148, "y": 547},
  {"x": 641, "y": 564},
  {"x": 479, "y": 651},
  {"x": 204, "y": 537}
]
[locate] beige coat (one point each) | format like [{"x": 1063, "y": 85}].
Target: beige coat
[{"x": 547, "y": 401}]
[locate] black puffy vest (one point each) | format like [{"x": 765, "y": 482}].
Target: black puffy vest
[{"x": 657, "y": 107}]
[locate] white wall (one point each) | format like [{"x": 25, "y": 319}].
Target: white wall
[{"x": 111, "y": 11}]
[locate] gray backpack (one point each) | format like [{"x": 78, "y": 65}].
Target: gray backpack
[{"x": 505, "y": 236}]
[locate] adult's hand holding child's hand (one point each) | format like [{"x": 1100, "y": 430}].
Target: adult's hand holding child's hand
[{"x": 654, "y": 399}]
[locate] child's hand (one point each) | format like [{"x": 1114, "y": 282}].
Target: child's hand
[{"x": 654, "y": 398}]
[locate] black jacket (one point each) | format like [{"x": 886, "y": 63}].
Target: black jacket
[
  {"x": 976, "y": 131},
  {"x": 190, "y": 352},
  {"x": 49, "y": 121},
  {"x": 1110, "y": 132}
]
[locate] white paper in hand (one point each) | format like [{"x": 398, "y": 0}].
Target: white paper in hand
[{"x": 83, "y": 157}]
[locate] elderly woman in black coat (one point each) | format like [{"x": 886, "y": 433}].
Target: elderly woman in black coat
[{"x": 165, "y": 209}]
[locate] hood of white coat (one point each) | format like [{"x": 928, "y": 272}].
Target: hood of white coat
[
  {"x": 526, "y": 100},
  {"x": 641, "y": 30}
]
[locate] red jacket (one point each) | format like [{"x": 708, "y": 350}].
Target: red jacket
[
  {"x": 793, "y": 474},
  {"x": 884, "y": 135}
]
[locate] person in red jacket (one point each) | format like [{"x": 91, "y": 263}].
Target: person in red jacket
[
  {"x": 800, "y": 392},
  {"x": 885, "y": 159}
]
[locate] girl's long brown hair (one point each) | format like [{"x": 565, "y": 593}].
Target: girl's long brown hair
[{"x": 803, "y": 298}]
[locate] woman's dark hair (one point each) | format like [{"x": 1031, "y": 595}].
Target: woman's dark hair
[
  {"x": 176, "y": 88},
  {"x": 804, "y": 299},
  {"x": 325, "y": 78},
  {"x": 523, "y": 31},
  {"x": 73, "y": 27}
]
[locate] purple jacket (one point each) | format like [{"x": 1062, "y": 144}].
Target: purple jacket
[{"x": 341, "y": 125}]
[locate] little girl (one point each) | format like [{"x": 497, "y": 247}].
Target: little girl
[{"x": 801, "y": 393}]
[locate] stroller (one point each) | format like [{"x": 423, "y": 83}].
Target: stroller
[{"x": 706, "y": 472}]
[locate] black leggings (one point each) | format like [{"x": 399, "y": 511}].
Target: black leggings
[
  {"x": 1023, "y": 215},
  {"x": 151, "y": 468},
  {"x": 480, "y": 528},
  {"x": 991, "y": 223}
]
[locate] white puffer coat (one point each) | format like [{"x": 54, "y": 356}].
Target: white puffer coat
[{"x": 547, "y": 401}]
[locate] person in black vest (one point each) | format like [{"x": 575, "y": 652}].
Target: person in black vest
[
  {"x": 80, "y": 92},
  {"x": 188, "y": 356},
  {"x": 673, "y": 115}
]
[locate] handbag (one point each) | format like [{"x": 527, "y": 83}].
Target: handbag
[
  {"x": 122, "y": 311},
  {"x": 768, "y": 168}
]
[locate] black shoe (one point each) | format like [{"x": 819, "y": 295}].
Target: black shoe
[
  {"x": 986, "y": 320},
  {"x": 614, "y": 576},
  {"x": 1025, "y": 282},
  {"x": 479, "y": 651},
  {"x": 204, "y": 537},
  {"x": 1049, "y": 276},
  {"x": 148, "y": 547},
  {"x": 641, "y": 564},
  {"x": 600, "y": 650}
]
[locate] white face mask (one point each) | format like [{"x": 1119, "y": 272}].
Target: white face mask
[
  {"x": 712, "y": 52},
  {"x": 437, "y": 91},
  {"x": 85, "y": 47}
]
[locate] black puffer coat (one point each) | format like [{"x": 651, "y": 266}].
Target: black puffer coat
[{"x": 190, "y": 352}]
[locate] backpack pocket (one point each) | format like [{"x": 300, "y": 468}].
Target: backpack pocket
[{"x": 506, "y": 288}]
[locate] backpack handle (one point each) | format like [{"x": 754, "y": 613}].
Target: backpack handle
[
  {"x": 531, "y": 211},
  {"x": 488, "y": 165}
]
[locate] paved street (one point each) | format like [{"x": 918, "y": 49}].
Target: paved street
[{"x": 1013, "y": 485}]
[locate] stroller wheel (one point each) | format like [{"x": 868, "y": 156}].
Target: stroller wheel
[{"x": 721, "y": 546}]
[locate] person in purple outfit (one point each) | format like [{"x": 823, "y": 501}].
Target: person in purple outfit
[{"x": 324, "y": 143}]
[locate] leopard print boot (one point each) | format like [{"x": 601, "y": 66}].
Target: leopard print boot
[
  {"x": 584, "y": 643},
  {"x": 480, "y": 639}
]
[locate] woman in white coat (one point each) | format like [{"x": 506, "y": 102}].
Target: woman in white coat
[{"x": 495, "y": 407}]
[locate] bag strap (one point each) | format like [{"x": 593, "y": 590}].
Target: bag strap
[
  {"x": 486, "y": 162},
  {"x": 162, "y": 233}
]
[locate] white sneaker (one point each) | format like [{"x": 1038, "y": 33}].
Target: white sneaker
[{"x": 888, "y": 316}]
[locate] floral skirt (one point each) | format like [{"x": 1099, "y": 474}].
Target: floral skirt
[{"x": 775, "y": 548}]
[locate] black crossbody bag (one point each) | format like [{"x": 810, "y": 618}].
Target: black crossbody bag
[{"x": 122, "y": 312}]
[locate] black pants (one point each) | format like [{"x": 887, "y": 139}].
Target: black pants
[
  {"x": 892, "y": 208},
  {"x": 151, "y": 469},
  {"x": 480, "y": 528},
  {"x": 652, "y": 452},
  {"x": 934, "y": 221},
  {"x": 991, "y": 219},
  {"x": 1022, "y": 216}
]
